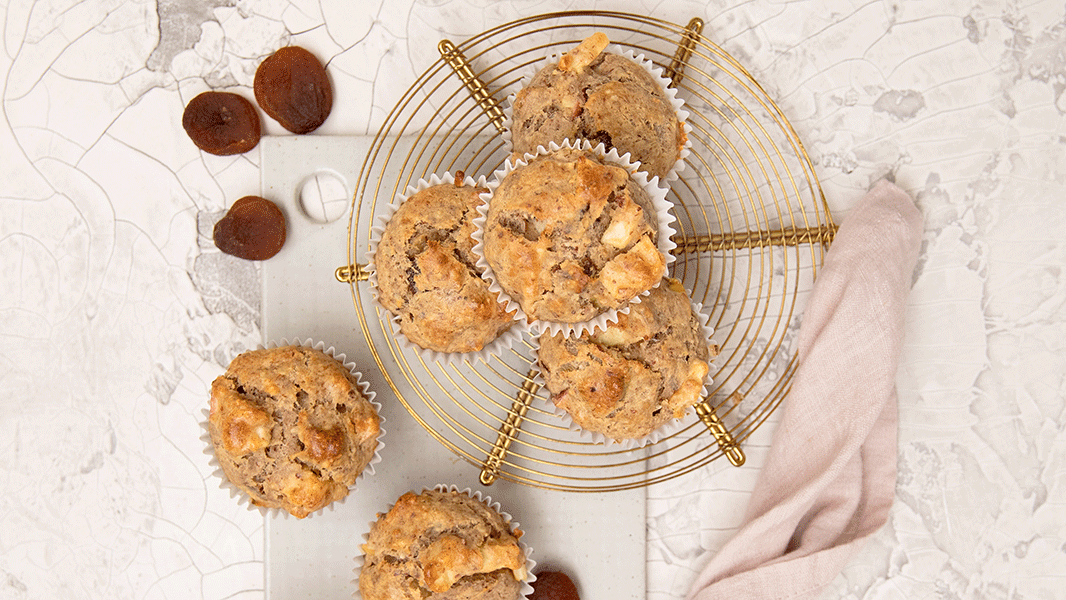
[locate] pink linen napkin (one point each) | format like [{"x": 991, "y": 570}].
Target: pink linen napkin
[{"x": 830, "y": 475}]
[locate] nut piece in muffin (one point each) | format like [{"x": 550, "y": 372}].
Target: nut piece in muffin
[
  {"x": 602, "y": 97},
  {"x": 426, "y": 273},
  {"x": 441, "y": 545},
  {"x": 291, "y": 428},
  {"x": 569, "y": 236},
  {"x": 634, "y": 376}
]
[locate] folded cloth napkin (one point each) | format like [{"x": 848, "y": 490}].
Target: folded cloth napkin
[{"x": 829, "y": 478}]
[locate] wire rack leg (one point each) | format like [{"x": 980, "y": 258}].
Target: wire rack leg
[
  {"x": 509, "y": 430},
  {"x": 676, "y": 71},
  {"x": 477, "y": 88},
  {"x": 721, "y": 435}
]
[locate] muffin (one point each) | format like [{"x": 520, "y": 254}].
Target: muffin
[
  {"x": 292, "y": 428},
  {"x": 627, "y": 380},
  {"x": 426, "y": 275},
  {"x": 602, "y": 97},
  {"x": 442, "y": 544},
  {"x": 570, "y": 235}
]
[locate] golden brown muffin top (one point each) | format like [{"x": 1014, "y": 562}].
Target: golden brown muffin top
[
  {"x": 634, "y": 376},
  {"x": 435, "y": 540},
  {"x": 291, "y": 428},
  {"x": 569, "y": 237},
  {"x": 427, "y": 276},
  {"x": 601, "y": 97}
]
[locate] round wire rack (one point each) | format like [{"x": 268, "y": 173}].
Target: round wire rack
[{"x": 753, "y": 227}]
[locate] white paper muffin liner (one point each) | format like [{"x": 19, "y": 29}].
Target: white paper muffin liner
[
  {"x": 655, "y": 71},
  {"x": 501, "y": 344},
  {"x": 665, "y": 430},
  {"x": 527, "y": 584},
  {"x": 664, "y": 217},
  {"x": 245, "y": 499}
]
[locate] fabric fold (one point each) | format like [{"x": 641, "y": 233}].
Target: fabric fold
[{"x": 829, "y": 478}]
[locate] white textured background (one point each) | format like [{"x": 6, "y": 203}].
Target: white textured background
[{"x": 116, "y": 311}]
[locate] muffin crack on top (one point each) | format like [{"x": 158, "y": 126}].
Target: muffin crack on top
[
  {"x": 425, "y": 233},
  {"x": 426, "y": 274}
]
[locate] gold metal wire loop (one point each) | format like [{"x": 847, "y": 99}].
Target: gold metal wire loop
[{"x": 351, "y": 273}]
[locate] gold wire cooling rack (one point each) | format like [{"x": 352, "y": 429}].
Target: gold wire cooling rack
[{"x": 753, "y": 227}]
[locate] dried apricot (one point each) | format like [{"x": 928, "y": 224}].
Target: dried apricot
[
  {"x": 253, "y": 229},
  {"x": 553, "y": 585},
  {"x": 292, "y": 87},
  {"x": 221, "y": 123}
]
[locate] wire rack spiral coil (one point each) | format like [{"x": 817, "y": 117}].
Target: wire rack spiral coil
[{"x": 753, "y": 228}]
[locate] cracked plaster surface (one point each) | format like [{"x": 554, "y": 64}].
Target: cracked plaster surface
[{"x": 116, "y": 311}]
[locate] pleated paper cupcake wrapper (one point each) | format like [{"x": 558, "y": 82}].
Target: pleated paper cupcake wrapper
[
  {"x": 501, "y": 344},
  {"x": 527, "y": 583},
  {"x": 656, "y": 72},
  {"x": 662, "y": 432},
  {"x": 664, "y": 217},
  {"x": 242, "y": 497}
]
